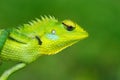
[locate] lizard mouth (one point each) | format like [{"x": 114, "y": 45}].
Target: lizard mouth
[
  {"x": 64, "y": 44},
  {"x": 54, "y": 47}
]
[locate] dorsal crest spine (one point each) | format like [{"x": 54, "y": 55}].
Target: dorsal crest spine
[{"x": 42, "y": 19}]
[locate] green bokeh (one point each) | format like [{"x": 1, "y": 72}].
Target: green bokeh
[{"x": 95, "y": 58}]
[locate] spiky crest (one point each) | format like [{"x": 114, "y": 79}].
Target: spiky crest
[
  {"x": 43, "y": 18},
  {"x": 37, "y": 21}
]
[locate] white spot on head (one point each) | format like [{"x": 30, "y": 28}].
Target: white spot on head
[{"x": 53, "y": 31}]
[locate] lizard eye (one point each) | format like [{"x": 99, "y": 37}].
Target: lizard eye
[{"x": 69, "y": 25}]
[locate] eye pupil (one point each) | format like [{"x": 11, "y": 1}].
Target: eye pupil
[{"x": 69, "y": 28}]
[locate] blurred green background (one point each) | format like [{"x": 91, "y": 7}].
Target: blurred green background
[{"x": 95, "y": 58}]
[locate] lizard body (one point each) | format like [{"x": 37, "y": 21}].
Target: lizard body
[{"x": 47, "y": 36}]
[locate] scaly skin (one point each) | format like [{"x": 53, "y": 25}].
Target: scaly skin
[{"x": 47, "y": 36}]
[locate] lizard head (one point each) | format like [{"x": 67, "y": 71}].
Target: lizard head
[{"x": 60, "y": 34}]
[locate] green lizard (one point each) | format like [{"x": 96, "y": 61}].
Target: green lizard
[{"x": 45, "y": 36}]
